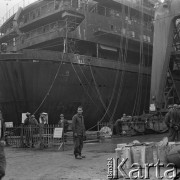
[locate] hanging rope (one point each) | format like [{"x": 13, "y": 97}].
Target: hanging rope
[
  {"x": 51, "y": 86},
  {"x": 124, "y": 58},
  {"x": 142, "y": 62},
  {"x": 117, "y": 75},
  {"x": 147, "y": 81},
  {"x": 71, "y": 50},
  {"x": 137, "y": 104},
  {"x": 116, "y": 80}
]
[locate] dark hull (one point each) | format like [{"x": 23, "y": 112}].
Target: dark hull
[{"x": 104, "y": 93}]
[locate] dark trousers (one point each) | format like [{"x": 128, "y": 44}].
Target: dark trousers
[
  {"x": 2, "y": 162},
  {"x": 118, "y": 127},
  {"x": 78, "y": 145},
  {"x": 173, "y": 135},
  {"x": 29, "y": 138}
]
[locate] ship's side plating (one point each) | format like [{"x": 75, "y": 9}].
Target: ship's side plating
[{"x": 95, "y": 56}]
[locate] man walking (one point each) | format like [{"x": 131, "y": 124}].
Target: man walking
[{"x": 78, "y": 132}]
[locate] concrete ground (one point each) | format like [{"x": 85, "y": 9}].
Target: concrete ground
[{"x": 51, "y": 164}]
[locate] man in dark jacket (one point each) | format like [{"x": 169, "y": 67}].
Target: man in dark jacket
[
  {"x": 78, "y": 132},
  {"x": 30, "y": 127},
  {"x": 2, "y": 144},
  {"x": 172, "y": 120},
  {"x": 26, "y": 130},
  {"x": 63, "y": 123}
]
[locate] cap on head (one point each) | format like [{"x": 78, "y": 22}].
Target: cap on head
[
  {"x": 80, "y": 107},
  {"x": 170, "y": 106},
  {"x": 33, "y": 116},
  {"x": 175, "y": 106},
  {"x": 28, "y": 114},
  {"x": 124, "y": 114},
  {"x": 61, "y": 115},
  {"x": 43, "y": 113}
]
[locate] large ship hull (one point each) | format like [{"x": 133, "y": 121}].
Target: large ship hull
[
  {"x": 96, "y": 54},
  {"x": 60, "y": 87}
]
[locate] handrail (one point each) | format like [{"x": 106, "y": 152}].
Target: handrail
[
  {"x": 109, "y": 12},
  {"x": 13, "y": 10}
]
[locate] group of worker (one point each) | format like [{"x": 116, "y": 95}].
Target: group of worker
[
  {"x": 31, "y": 126},
  {"x": 78, "y": 128},
  {"x": 31, "y": 120},
  {"x": 172, "y": 121}
]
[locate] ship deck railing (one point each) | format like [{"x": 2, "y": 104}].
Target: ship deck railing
[
  {"x": 58, "y": 26},
  {"x": 48, "y": 28},
  {"x": 50, "y": 7},
  {"x": 14, "y": 9},
  {"x": 109, "y": 12},
  {"x": 37, "y": 12},
  {"x": 133, "y": 27}
]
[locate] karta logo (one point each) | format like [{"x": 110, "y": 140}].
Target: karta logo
[{"x": 117, "y": 168}]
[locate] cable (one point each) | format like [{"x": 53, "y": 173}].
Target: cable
[
  {"x": 76, "y": 71},
  {"x": 136, "y": 107},
  {"x": 121, "y": 81},
  {"x": 87, "y": 82},
  {"x": 147, "y": 79},
  {"x": 51, "y": 86},
  {"x": 124, "y": 58}
]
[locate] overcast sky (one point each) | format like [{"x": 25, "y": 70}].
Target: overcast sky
[{"x": 9, "y": 4}]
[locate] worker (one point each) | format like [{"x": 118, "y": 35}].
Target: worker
[
  {"x": 124, "y": 117},
  {"x": 26, "y": 129},
  {"x": 118, "y": 124},
  {"x": 43, "y": 129},
  {"x": 172, "y": 120},
  {"x": 30, "y": 124},
  {"x": 63, "y": 123},
  {"x": 78, "y": 132},
  {"x": 2, "y": 144},
  {"x": 43, "y": 118}
]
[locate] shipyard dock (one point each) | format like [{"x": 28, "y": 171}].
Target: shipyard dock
[{"x": 52, "y": 164}]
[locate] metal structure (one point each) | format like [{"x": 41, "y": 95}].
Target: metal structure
[{"x": 164, "y": 87}]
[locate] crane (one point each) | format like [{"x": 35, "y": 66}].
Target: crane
[{"x": 165, "y": 28}]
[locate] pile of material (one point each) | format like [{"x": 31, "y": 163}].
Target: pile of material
[
  {"x": 149, "y": 152},
  {"x": 105, "y": 132}
]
